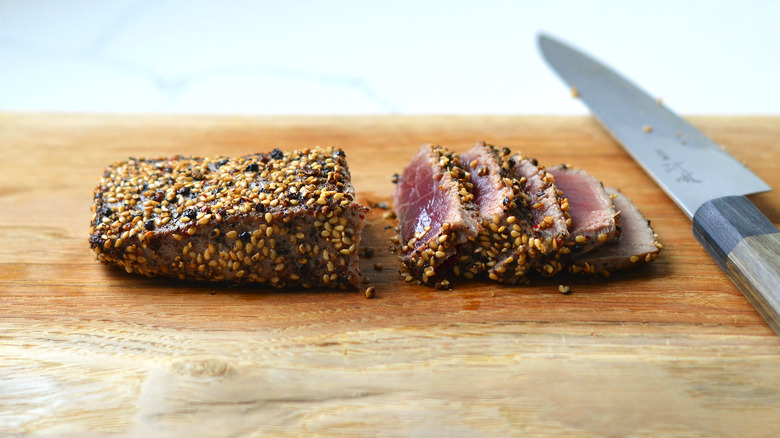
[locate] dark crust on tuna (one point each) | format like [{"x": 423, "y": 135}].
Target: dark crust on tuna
[
  {"x": 282, "y": 219},
  {"x": 428, "y": 254},
  {"x": 636, "y": 244}
]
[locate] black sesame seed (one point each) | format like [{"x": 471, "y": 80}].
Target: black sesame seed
[
  {"x": 245, "y": 236},
  {"x": 184, "y": 191},
  {"x": 260, "y": 208},
  {"x": 106, "y": 211},
  {"x": 191, "y": 214},
  {"x": 149, "y": 225},
  {"x": 95, "y": 241},
  {"x": 512, "y": 162},
  {"x": 221, "y": 163},
  {"x": 341, "y": 154},
  {"x": 277, "y": 154},
  {"x": 507, "y": 201},
  {"x": 251, "y": 168}
]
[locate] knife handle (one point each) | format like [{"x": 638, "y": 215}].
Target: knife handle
[{"x": 746, "y": 246}]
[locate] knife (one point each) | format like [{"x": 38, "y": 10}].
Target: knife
[{"x": 703, "y": 179}]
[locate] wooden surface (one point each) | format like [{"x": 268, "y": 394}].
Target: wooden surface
[{"x": 669, "y": 349}]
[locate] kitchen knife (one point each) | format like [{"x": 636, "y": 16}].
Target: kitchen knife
[{"x": 702, "y": 178}]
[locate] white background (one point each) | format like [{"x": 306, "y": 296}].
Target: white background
[{"x": 370, "y": 57}]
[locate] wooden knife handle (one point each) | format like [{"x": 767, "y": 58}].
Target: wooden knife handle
[{"x": 746, "y": 246}]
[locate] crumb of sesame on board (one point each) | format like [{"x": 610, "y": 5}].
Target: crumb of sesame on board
[
  {"x": 564, "y": 289},
  {"x": 647, "y": 128},
  {"x": 370, "y": 292}
]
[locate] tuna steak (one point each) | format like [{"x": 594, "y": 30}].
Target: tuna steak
[{"x": 281, "y": 219}]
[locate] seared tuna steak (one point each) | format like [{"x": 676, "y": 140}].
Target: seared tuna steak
[
  {"x": 636, "y": 244},
  {"x": 436, "y": 214},
  {"x": 282, "y": 219},
  {"x": 593, "y": 217}
]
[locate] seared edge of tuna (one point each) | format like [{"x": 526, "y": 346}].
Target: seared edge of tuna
[
  {"x": 282, "y": 219},
  {"x": 636, "y": 244},
  {"x": 436, "y": 214},
  {"x": 594, "y": 220}
]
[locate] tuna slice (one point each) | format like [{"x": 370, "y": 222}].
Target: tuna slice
[
  {"x": 636, "y": 243},
  {"x": 549, "y": 214},
  {"x": 593, "y": 217},
  {"x": 436, "y": 214},
  {"x": 282, "y": 219},
  {"x": 505, "y": 220}
]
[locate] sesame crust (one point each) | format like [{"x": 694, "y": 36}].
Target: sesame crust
[{"x": 282, "y": 219}]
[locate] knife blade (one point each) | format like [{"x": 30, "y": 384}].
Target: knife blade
[{"x": 698, "y": 175}]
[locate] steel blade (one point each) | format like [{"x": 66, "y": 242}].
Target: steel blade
[{"x": 690, "y": 167}]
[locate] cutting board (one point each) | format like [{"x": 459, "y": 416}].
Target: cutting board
[{"x": 668, "y": 348}]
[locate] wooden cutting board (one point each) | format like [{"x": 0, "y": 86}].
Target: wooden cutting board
[{"x": 670, "y": 348}]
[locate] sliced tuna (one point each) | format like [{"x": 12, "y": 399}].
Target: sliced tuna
[
  {"x": 549, "y": 214},
  {"x": 636, "y": 244},
  {"x": 593, "y": 217},
  {"x": 500, "y": 250},
  {"x": 436, "y": 214}
]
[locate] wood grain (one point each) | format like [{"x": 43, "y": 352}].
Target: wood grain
[{"x": 671, "y": 348}]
